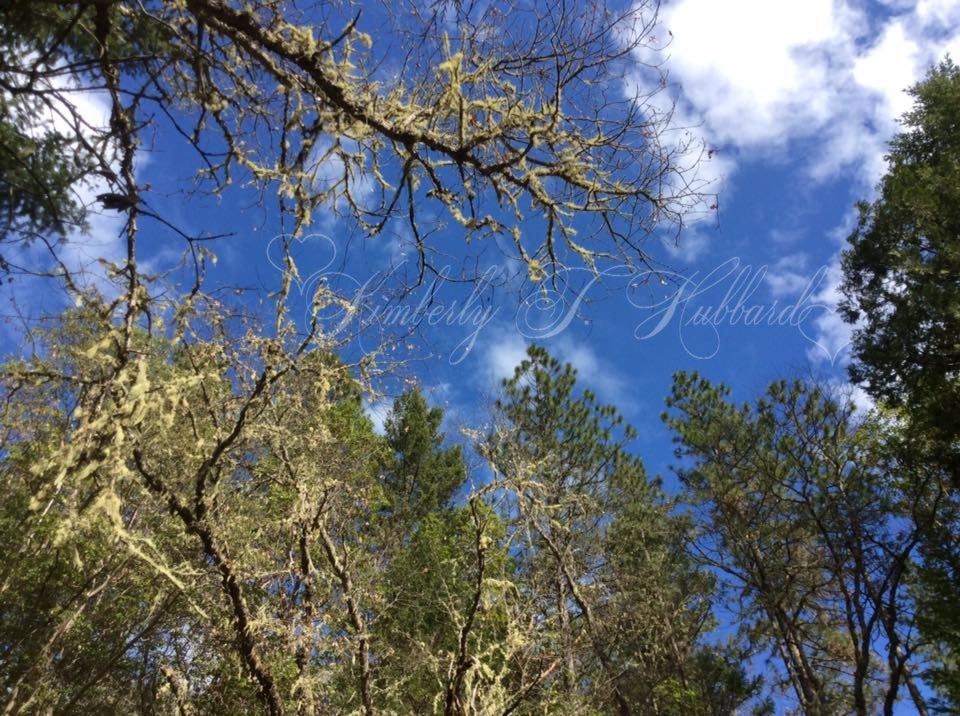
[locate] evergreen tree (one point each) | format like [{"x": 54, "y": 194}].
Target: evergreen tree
[
  {"x": 807, "y": 520},
  {"x": 598, "y": 551},
  {"x": 900, "y": 283},
  {"x": 900, "y": 272},
  {"x": 420, "y": 475},
  {"x": 433, "y": 573}
]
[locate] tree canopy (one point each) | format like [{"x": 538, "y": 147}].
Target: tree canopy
[
  {"x": 901, "y": 283},
  {"x": 518, "y": 113},
  {"x": 199, "y": 514}
]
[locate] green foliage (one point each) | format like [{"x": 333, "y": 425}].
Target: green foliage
[
  {"x": 37, "y": 174},
  {"x": 204, "y": 528},
  {"x": 716, "y": 684},
  {"x": 420, "y": 476},
  {"x": 900, "y": 270},
  {"x": 430, "y": 586},
  {"x": 199, "y": 516},
  {"x": 48, "y": 151},
  {"x": 938, "y": 617},
  {"x": 805, "y": 518},
  {"x": 900, "y": 281},
  {"x": 601, "y": 554}
]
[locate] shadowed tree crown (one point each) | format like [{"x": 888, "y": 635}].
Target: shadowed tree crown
[{"x": 420, "y": 475}]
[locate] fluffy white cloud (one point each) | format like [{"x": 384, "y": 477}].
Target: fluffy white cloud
[
  {"x": 690, "y": 245},
  {"x": 597, "y": 374},
  {"x": 378, "y": 411},
  {"x": 750, "y": 67},
  {"x": 503, "y": 353},
  {"x": 788, "y": 276},
  {"x": 887, "y": 68},
  {"x": 845, "y": 391},
  {"x": 938, "y": 12},
  {"x": 831, "y": 334},
  {"x": 758, "y": 74},
  {"x": 507, "y": 349}
]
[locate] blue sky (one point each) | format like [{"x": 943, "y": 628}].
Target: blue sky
[{"x": 796, "y": 100}]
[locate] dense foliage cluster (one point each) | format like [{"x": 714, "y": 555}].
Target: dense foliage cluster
[
  {"x": 901, "y": 283},
  {"x": 199, "y": 516}
]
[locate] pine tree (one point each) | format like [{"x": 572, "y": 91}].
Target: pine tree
[
  {"x": 420, "y": 475},
  {"x": 599, "y": 552},
  {"x": 900, "y": 283},
  {"x": 803, "y": 513}
]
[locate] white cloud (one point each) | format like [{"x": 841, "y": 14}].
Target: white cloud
[
  {"x": 508, "y": 350},
  {"x": 788, "y": 276},
  {"x": 844, "y": 390},
  {"x": 888, "y": 68},
  {"x": 758, "y": 74},
  {"x": 751, "y": 67},
  {"x": 503, "y": 354},
  {"x": 598, "y": 375},
  {"x": 378, "y": 411},
  {"x": 785, "y": 237},
  {"x": 689, "y": 147},
  {"x": 938, "y": 13},
  {"x": 688, "y": 246},
  {"x": 831, "y": 335}
]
